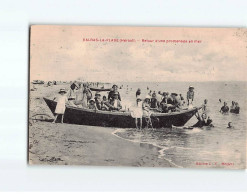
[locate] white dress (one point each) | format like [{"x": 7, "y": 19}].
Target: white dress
[
  {"x": 137, "y": 111},
  {"x": 60, "y": 108}
]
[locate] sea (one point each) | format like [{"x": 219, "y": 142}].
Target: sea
[{"x": 208, "y": 147}]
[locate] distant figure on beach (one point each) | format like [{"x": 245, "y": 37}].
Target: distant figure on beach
[
  {"x": 137, "y": 113},
  {"x": 230, "y": 125},
  {"x": 150, "y": 93},
  {"x": 92, "y": 105},
  {"x": 235, "y": 108},
  {"x": 138, "y": 92},
  {"x": 204, "y": 106},
  {"x": 220, "y": 100},
  {"x": 190, "y": 95},
  {"x": 60, "y": 107},
  {"x": 225, "y": 108},
  {"x": 113, "y": 91},
  {"x": 115, "y": 103},
  {"x": 203, "y": 120},
  {"x": 71, "y": 94}
]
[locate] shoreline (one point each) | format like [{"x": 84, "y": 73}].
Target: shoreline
[
  {"x": 65, "y": 144},
  {"x": 161, "y": 149}
]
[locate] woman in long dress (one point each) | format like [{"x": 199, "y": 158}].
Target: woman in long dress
[{"x": 61, "y": 101}]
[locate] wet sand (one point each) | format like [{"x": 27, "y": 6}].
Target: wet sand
[{"x": 66, "y": 144}]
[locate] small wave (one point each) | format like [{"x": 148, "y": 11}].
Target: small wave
[
  {"x": 161, "y": 151},
  {"x": 194, "y": 130}
]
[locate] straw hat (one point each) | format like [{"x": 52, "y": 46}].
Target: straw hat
[
  {"x": 148, "y": 97},
  {"x": 91, "y": 100},
  {"x": 191, "y": 87}
]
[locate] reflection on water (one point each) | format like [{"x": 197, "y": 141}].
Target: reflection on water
[{"x": 218, "y": 146}]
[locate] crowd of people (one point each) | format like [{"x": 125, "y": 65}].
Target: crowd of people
[{"x": 80, "y": 95}]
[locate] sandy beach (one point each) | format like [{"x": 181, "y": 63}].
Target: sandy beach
[{"x": 65, "y": 144}]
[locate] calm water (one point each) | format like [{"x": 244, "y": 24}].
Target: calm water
[{"x": 187, "y": 148}]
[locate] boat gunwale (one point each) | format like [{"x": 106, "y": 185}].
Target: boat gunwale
[{"x": 127, "y": 113}]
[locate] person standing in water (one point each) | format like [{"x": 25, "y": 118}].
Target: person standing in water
[
  {"x": 230, "y": 125},
  {"x": 60, "y": 107},
  {"x": 137, "y": 113},
  {"x": 190, "y": 95},
  {"x": 225, "y": 108},
  {"x": 138, "y": 92}
]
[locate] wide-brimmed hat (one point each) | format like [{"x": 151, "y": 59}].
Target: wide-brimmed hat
[
  {"x": 97, "y": 93},
  {"x": 91, "y": 100},
  {"x": 114, "y": 85},
  {"x": 62, "y": 91},
  {"x": 148, "y": 97},
  {"x": 138, "y": 99},
  {"x": 175, "y": 94},
  {"x": 191, "y": 87}
]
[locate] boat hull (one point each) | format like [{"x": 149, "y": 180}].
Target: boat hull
[{"x": 84, "y": 116}]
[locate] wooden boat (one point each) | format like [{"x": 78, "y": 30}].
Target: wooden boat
[
  {"x": 99, "y": 89},
  {"x": 38, "y": 82},
  {"x": 85, "y": 116}
]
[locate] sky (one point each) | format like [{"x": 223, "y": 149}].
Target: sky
[{"x": 59, "y": 53}]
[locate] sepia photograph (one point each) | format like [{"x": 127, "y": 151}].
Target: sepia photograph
[{"x": 137, "y": 96}]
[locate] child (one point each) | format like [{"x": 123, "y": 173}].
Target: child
[
  {"x": 104, "y": 103},
  {"x": 137, "y": 113},
  {"x": 60, "y": 108},
  {"x": 190, "y": 95},
  {"x": 92, "y": 105}
]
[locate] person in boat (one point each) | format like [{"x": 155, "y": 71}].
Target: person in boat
[
  {"x": 113, "y": 91},
  {"x": 138, "y": 92},
  {"x": 92, "y": 105},
  {"x": 230, "y": 125},
  {"x": 182, "y": 99},
  {"x": 147, "y": 111},
  {"x": 104, "y": 104},
  {"x": 86, "y": 94},
  {"x": 225, "y": 108},
  {"x": 159, "y": 96},
  {"x": 203, "y": 120},
  {"x": 154, "y": 103},
  {"x": 137, "y": 113},
  {"x": 175, "y": 102},
  {"x": 98, "y": 101},
  {"x": 166, "y": 103},
  {"x": 60, "y": 107},
  {"x": 115, "y": 103},
  {"x": 71, "y": 94},
  {"x": 190, "y": 95}
]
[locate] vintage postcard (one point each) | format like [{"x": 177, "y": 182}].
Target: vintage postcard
[{"x": 138, "y": 96}]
